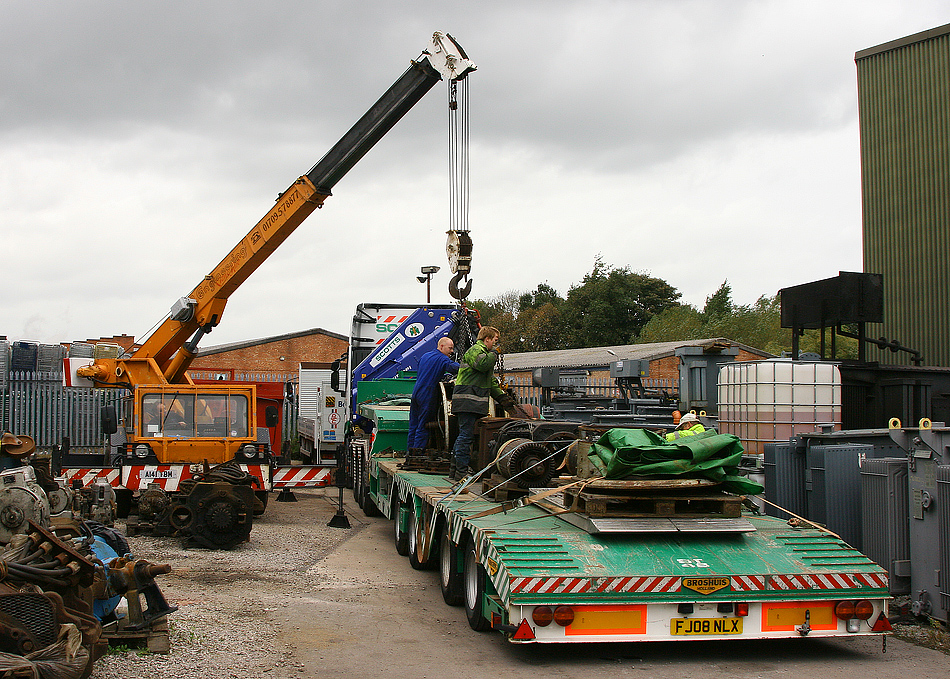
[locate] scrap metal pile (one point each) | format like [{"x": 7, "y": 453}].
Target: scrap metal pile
[{"x": 62, "y": 577}]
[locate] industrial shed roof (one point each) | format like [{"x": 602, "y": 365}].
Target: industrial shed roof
[{"x": 601, "y": 357}]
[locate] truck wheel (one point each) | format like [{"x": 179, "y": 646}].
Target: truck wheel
[
  {"x": 473, "y": 586},
  {"x": 449, "y": 577},
  {"x": 401, "y": 537}
]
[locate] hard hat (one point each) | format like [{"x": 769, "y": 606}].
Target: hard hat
[{"x": 688, "y": 417}]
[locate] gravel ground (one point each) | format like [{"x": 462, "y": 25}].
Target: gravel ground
[{"x": 230, "y": 601}]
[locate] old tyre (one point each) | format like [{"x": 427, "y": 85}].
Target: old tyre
[
  {"x": 473, "y": 590},
  {"x": 450, "y": 579},
  {"x": 400, "y": 536}
]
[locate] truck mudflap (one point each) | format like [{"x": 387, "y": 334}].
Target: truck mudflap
[
  {"x": 167, "y": 476},
  {"x": 302, "y": 476}
]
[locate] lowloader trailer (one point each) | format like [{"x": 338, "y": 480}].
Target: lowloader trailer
[{"x": 541, "y": 572}]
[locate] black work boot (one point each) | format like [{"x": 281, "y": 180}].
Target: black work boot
[
  {"x": 451, "y": 473},
  {"x": 461, "y": 473}
]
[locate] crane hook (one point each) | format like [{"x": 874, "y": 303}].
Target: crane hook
[{"x": 454, "y": 286}]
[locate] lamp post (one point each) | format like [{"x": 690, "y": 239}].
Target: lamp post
[{"x": 427, "y": 279}]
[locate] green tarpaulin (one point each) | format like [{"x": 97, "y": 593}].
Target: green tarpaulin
[{"x": 637, "y": 452}]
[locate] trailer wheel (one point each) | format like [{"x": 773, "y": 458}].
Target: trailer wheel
[
  {"x": 449, "y": 577},
  {"x": 473, "y": 585},
  {"x": 418, "y": 526},
  {"x": 400, "y": 537},
  {"x": 365, "y": 501}
]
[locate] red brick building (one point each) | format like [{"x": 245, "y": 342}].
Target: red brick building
[{"x": 277, "y": 357}]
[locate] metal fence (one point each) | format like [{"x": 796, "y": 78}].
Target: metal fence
[
  {"x": 593, "y": 387},
  {"x": 39, "y": 405}
]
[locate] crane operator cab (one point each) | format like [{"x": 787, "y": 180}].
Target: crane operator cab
[{"x": 187, "y": 424}]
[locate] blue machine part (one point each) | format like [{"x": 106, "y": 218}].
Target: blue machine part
[
  {"x": 418, "y": 334},
  {"x": 104, "y": 608}
]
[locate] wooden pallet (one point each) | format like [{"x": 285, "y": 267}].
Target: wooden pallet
[
  {"x": 639, "y": 505},
  {"x": 154, "y": 639}
]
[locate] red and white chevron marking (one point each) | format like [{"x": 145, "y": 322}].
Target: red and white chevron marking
[
  {"x": 748, "y": 583},
  {"x": 829, "y": 581},
  {"x": 89, "y": 476},
  {"x": 302, "y": 476},
  {"x": 578, "y": 585}
]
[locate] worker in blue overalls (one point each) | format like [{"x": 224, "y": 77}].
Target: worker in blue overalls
[{"x": 425, "y": 395}]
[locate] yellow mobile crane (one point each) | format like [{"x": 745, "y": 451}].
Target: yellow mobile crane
[{"x": 173, "y": 428}]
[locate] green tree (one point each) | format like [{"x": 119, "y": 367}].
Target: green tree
[
  {"x": 611, "y": 305},
  {"x": 680, "y": 322},
  {"x": 542, "y": 295},
  {"x": 719, "y": 303},
  {"x": 501, "y": 312}
]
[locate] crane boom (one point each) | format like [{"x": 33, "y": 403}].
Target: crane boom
[{"x": 167, "y": 352}]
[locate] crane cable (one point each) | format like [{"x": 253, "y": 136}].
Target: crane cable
[
  {"x": 458, "y": 155},
  {"x": 459, "y": 244}
]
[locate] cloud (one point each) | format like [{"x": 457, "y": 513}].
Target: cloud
[{"x": 140, "y": 142}]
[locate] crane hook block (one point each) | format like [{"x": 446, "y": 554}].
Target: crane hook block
[{"x": 454, "y": 286}]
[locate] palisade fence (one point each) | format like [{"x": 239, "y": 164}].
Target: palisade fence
[
  {"x": 39, "y": 405},
  {"x": 591, "y": 387}
]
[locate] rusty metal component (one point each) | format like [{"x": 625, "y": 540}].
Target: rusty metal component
[
  {"x": 28, "y": 621},
  {"x": 135, "y": 580},
  {"x": 214, "y": 508},
  {"x": 96, "y": 503},
  {"x": 222, "y": 514},
  {"x": 153, "y": 502},
  {"x": 529, "y": 463}
]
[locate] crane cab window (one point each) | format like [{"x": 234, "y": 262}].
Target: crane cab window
[
  {"x": 187, "y": 415},
  {"x": 168, "y": 415}
]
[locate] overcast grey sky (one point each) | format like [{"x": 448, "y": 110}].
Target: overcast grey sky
[{"x": 140, "y": 141}]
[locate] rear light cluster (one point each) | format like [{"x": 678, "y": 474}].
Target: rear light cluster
[
  {"x": 544, "y": 615},
  {"x": 848, "y": 610}
]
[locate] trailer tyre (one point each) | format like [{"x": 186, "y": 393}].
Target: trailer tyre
[
  {"x": 417, "y": 540},
  {"x": 473, "y": 585},
  {"x": 365, "y": 501},
  {"x": 450, "y": 579},
  {"x": 400, "y": 536}
]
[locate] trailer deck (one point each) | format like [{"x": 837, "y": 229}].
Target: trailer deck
[{"x": 508, "y": 561}]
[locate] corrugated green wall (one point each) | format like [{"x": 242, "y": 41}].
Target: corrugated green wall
[{"x": 904, "y": 109}]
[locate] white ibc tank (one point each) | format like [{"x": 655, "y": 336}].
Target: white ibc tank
[{"x": 763, "y": 401}]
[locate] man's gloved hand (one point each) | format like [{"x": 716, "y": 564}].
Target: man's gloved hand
[{"x": 507, "y": 403}]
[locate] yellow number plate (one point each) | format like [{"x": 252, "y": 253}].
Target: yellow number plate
[{"x": 683, "y": 626}]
